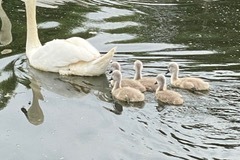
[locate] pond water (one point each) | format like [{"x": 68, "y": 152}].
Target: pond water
[{"x": 47, "y": 116}]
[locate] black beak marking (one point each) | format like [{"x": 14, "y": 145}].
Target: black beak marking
[{"x": 167, "y": 72}]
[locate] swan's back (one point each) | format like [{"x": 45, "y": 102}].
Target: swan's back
[
  {"x": 82, "y": 43},
  {"x": 59, "y": 53}
]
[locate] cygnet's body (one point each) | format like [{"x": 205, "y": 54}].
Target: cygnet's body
[
  {"x": 126, "y": 94},
  {"x": 126, "y": 82},
  {"x": 190, "y": 83},
  {"x": 148, "y": 82},
  {"x": 167, "y": 96}
]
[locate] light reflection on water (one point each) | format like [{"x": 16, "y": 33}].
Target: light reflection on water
[{"x": 79, "y": 117}]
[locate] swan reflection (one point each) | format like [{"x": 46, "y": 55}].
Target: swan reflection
[
  {"x": 72, "y": 86},
  {"x": 6, "y": 29},
  {"x": 68, "y": 87},
  {"x": 34, "y": 114},
  {"x": 78, "y": 87}
]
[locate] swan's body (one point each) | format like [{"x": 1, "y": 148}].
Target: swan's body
[
  {"x": 167, "y": 96},
  {"x": 126, "y": 82},
  {"x": 190, "y": 83},
  {"x": 73, "y": 56},
  {"x": 148, "y": 82},
  {"x": 126, "y": 94}
]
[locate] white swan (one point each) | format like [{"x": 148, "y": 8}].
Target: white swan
[
  {"x": 148, "y": 82},
  {"x": 126, "y": 82},
  {"x": 126, "y": 94},
  {"x": 73, "y": 56},
  {"x": 190, "y": 83},
  {"x": 167, "y": 96}
]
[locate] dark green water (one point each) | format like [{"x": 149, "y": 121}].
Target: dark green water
[{"x": 47, "y": 116}]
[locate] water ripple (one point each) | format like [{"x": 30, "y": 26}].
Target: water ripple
[{"x": 206, "y": 126}]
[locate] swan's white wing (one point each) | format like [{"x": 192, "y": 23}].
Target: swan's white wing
[
  {"x": 59, "y": 53},
  {"x": 82, "y": 43}
]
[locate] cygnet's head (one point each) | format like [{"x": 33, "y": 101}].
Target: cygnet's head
[
  {"x": 161, "y": 81},
  {"x": 115, "y": 66},
  {"x": 116, "y": 75},
  {"x": 138, "y": 66},
  {"x": 173, "y": 67},
  {"x": 160, "y": 78}
]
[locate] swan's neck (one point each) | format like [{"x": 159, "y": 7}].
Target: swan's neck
[
  {"x": 36, "y": 96},
  {"x": 32, "y": 32},
  {"x": 174, "y": 76},
  {"x": 138, "y": 74}
]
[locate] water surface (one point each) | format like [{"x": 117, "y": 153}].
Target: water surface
[{"x": 47, "y": 116}]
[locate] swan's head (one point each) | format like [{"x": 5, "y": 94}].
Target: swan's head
[
  {"x": 138, "y": 66},
  {"x": 116, "y": 76},
  {"x": 173, "y": 67}
]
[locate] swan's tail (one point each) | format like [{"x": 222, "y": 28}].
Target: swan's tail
[
  {"x": 103, "y": 62},
  {"x": 106, "y": 58},
  {"x": 92, "y": 68}
]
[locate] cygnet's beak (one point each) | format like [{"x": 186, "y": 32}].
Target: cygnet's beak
[
  {"x": 167, "y": 72},
  {"x": 156, "y": 82},
  {"x": 110, "y": 72},
  {"x": 111, "y": 79}
]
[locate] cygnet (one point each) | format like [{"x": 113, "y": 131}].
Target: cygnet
[
  {"x": 126, "y": 82},
  {"x": 126, "y": 94},
  {"x": 190, "y": 83},
  {"x": 148, "y": 82},
  {"x": 167, "y": 96}
]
